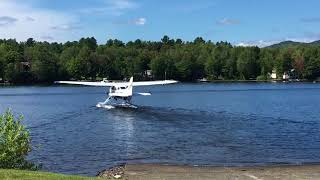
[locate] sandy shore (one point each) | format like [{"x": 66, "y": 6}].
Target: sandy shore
[{"x": 163, "y": 172}]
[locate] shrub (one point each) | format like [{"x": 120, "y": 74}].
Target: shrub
[
  {"x": 262, "y": 78},
  {"x": 14, "y": 143}
]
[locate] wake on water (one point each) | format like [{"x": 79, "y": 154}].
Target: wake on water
[{"x": 113, "y": 106}]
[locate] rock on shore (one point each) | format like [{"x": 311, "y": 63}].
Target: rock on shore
[{"x": 112, "y": 173}]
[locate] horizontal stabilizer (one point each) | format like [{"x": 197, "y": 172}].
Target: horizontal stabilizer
[{"x": 144, "y": 94}]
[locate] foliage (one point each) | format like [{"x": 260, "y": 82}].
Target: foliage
[
  {"x": 34, "y": 62},
  {"x": 262, "y": 78},
  {"x": 14, "y": 143},
  {"x": 36, "y": 175}
]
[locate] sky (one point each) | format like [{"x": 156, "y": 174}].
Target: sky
[{"x": 241, "y": 22}]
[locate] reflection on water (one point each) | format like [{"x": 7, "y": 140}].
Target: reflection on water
[{"x": 204, "y": 124}]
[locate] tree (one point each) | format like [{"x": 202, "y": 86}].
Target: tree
[
  {"x": 216, "y": 65},
  {"x": 312, "y": 63},
  {"x": 2, "y": 60},
  {"x": 199, "y": 40},
  {"x": 186, "y": 68},
  {"x": 44, "y": 63},
  {"x": 14, "y": 143},
  {"x": 115, "y": 42},
  {"x": 284, "y": 61},
  {"x": 229, "y": 69},
  {"x": 158, "y": 67},
  {"x": 80, "y": 66},
  {"x": 298, "y": 63},
  {"x": 248, "y": 63},
  {"x": 66, "y": 56},
  {"x": 33, "y": 61},
  {"x": 266, "y": 61},
  {"x": 179, "y": 41},
  {"x": 90, "y": 43},
  {"x": 30, "y": 42},
  {"x": 165, "y": 39},
  {"x": 1, "y": 69},
  {"x": 11, "y": 66}
]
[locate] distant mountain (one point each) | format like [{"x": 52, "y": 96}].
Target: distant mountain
[
  {"x": 315, "y": 42},
  {"x": 292, "y": 43}
]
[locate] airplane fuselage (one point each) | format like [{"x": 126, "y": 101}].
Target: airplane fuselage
[{"x": 120, "y": 91}]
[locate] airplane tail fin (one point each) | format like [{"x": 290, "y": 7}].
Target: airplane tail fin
[
  {"x": 130, "y": 85},
  {"x": 131, "y": 81}
]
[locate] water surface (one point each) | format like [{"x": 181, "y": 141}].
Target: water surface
[{"x": 221, "y": 124}]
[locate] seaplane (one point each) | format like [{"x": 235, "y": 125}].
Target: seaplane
[{"x": 120, "y": 93}]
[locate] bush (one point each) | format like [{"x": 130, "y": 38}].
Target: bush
[
  {"x": 262, "y": 78},
  {"x": 14, "y": 143}
]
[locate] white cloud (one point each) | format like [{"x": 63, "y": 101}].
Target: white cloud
[
  {"x": 140, "y": 21},
  {"x": 7, "y": 20},
  {"x": 21, "y": 21},
  {"x": 111, "y": 7},
  {"x": 311, "y": 20},
  {"x": 29, "y": 18},
  {"x": 47, "y": 38},
  {"x": 193, "y": 7},
  {"x": 226, "y": 21},
  {"x": 259, "y": 43},
  {"x": 307, "y": 38},
  {"x": 66, "y": 27}
]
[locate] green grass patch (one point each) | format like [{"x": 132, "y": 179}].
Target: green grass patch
[{"x": 37, "y": 175}]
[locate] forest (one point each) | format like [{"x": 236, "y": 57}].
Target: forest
[{"x": 43, "y": 62}]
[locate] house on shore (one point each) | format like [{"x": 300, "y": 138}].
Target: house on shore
[
  {"x": 273, "y": 74},
  {"x": 290, "y": 75}
]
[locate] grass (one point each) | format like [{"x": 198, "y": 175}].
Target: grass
[{"x": 37, "y": 175}]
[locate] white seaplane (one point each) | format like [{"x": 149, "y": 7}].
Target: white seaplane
[{"x": 120, "y": 93}]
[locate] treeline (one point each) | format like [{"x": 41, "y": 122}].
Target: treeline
[{"x": 40, "y": 62}]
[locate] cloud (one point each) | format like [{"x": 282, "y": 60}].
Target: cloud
[
  {"x": 313, "y": 36},
  {"x": 259, "y": 43},
  {"x": 22, "y": 21},
  {"x": 194, "y": 7},
  {"x": 311, "y": 20},
  {"x": 121, "y": 4},
  {"x": 306, "y": 38},
  {"x": 226, "y": 21},
  {"x": 7, "y": 20},
  {"x": 140, "y": 21},
  {"x": 111, "y": 7},
  {"x": 66, "y": 27},
  {"x": 47, "y": 38},
  {"x": 28, "y": 18}
]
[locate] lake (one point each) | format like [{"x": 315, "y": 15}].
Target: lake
[{"x": 218, "y": 124}]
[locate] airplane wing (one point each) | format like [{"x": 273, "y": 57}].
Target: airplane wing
[
  {"x": 101, "y": 83},
  {"x": 151, "y": 83},
  {"x": 109, "y": 84}
]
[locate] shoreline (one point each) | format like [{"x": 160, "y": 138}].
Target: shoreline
[{"x": 162, "y": 171}]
